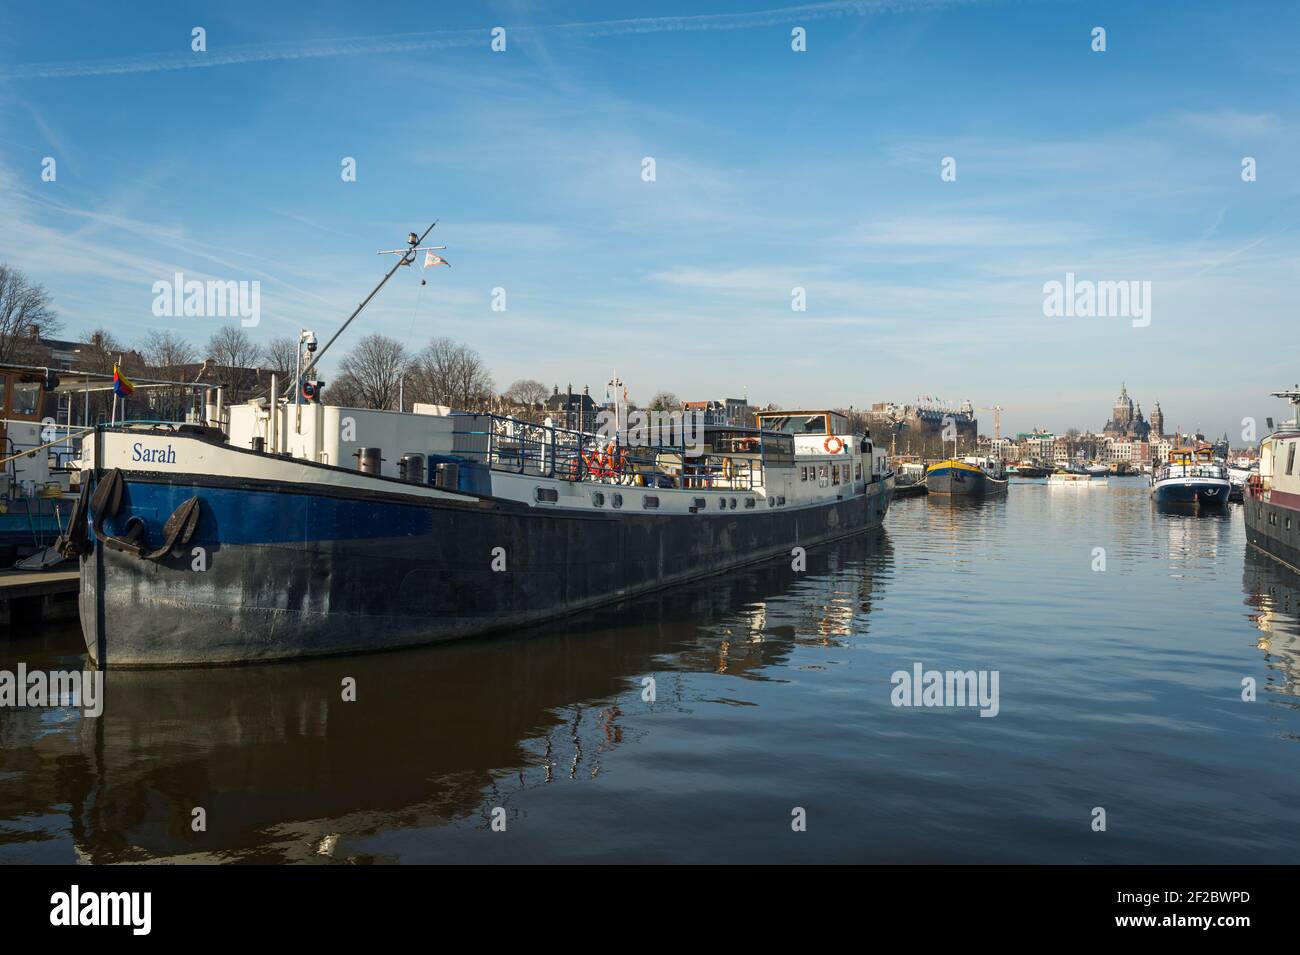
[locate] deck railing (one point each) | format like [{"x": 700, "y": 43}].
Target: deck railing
[
  {"x": 520, "y": 447},
  {"x": 1190, "y": 471}
]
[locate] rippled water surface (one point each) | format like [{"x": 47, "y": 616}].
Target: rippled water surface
[{"x": 1118, "y": 688}]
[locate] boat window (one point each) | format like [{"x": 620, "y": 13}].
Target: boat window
[
  {"x": 803, "y": 474},
  {"x": 780, "y": 500},
  {"x": 835, "y": 474},
  {"x": 701, "y": 503},
  {"x": 598, "y": 499},
  {"x": 1290, "y": 455},
  {"x": 27, "y": 398},
  {"x": 749, "y": 502},
  {"x": 722, "y": 502},
  {"x": 617, "y": 500},
  {"x": 547, "y": 495},
  {"x": 795, "y": 424},
  {"x": 821, "y": 475},
  {"x": 778, "y": 449},
  {"x": 650, "y": 502},
  {"x": 733, "y": 503},
  {"x": 857, "y": 476}
]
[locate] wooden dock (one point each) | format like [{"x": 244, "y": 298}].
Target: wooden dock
[{"x": 34, "y": 596}]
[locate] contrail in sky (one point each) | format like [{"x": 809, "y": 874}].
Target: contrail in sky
[{"x": 459, "y": 39}]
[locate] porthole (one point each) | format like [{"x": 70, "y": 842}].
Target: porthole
[
  {"x": 749, "y": 502},
  {"x": 701, "y": 503},
  {"x": 732, "y": 503},
  {"x": 547, "y": 495},
  {"x": 598, "y": 499},
  {"x": 648, "y": 502}
]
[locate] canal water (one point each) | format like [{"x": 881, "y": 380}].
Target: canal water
[{"x": 704, "y": 723}]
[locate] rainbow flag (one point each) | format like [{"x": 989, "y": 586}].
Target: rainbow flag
[{"x": 122, "y": 386}]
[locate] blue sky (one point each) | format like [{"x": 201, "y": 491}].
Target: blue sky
[{"x": 775, "y": 169}]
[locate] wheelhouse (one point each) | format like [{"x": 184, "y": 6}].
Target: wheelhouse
[
  {"x": 803, "y": 422},
  {"x": 1191, "y": 461}
]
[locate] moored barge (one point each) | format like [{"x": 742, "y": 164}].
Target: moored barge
[
  {"x": 1271, "y": 497},
  {"x": 262, "y": 544},
  {"x": 968, "y": 477}
]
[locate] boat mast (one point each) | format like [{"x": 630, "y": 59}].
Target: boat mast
[
  {"x": 404, "y": 257},
  {"x": 1292, "y": 396}
]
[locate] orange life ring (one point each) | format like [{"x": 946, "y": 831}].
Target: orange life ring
[{"x": 839, "y": 445}]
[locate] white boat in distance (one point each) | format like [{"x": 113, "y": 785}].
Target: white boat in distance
[{"x": 1071, "y": 479}]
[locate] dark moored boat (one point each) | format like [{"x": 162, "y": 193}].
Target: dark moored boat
[
  {"x": 204, "y": 549},
  {"x": 969, "y": 477},
  {"x": 1271, "y": 498},
  {"x": 1191, "y": 478},
  {"x": 1026, "y": 469}
]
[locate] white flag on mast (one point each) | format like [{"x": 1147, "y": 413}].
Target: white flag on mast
[{"x": 431, "y": 258}]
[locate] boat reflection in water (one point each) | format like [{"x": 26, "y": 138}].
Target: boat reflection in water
[
  {"x": 286, "y": 771},
  {"x": 1273, "y": 594},
  {"x": 1197, "y": 537}
]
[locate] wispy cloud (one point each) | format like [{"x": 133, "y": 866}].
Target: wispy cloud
[
  {"x": 460, "y": 39},
  {"x": 1231, "y": 123},
  {"x": 974, "y": 231}
]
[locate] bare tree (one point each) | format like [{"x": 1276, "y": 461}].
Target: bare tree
[
  {"x": 527, "y": 395},
  {"x": 665, "y": 401},
  {"x": 234, "y": 358},
  {"x": 526, "y": 391},
  {"x": 165, "y": 355},
  {"x": 25, "y": 315},
  {"x": 345, "y": 392},
  {"x": 166, "y": 352},
  {"x": 376, "y": 366},
  {"x": 446, "y": 372},
  {"x": 281, "y": 356}
]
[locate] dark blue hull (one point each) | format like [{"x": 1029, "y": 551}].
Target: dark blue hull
[
  {"x": 1181, "y": 493},
  {"x": 962, "y": 482},
  {"x": 291, "y": 572}
]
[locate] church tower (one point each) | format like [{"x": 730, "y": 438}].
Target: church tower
[
  {"x": 1122, "y": 413},
  {"x": 1157, "y": 421}
]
